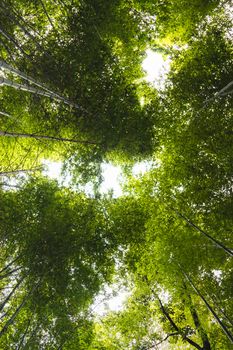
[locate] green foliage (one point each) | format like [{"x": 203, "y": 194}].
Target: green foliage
[{"x": 76, "y": 98}]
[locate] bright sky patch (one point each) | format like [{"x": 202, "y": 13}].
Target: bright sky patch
[{"x": 156, "y": 68}]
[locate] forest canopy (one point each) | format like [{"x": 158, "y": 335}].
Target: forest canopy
[{"x": 73, "y": 91}]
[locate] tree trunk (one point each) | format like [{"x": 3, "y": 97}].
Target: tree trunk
[
  {"x": 224, "y": 328},
  {"x": 11, "y": 320},
  {"x": 24, "y": 335},
  {"x": 173, "y": 324},
  {"x": 50, "y": 138},
  {"x": 9, "y": 273},
  {"x": 11, "y": 293},
  {"x": 11, "y": 39},
  {"x": 217, "y": 243},
  {"x": 47, "y": 92},
  {"x": 200, "y": 329},
  {"x": 10, "y": 263},
  {"x": 13, "y": 172}
]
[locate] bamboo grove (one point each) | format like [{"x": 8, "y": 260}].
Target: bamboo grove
[{"x": 73, "y": 91}]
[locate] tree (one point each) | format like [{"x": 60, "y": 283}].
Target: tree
[{"x": 61, "y": 250}]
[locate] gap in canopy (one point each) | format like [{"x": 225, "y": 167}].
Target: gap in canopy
[{"x": 156, "y": 68}]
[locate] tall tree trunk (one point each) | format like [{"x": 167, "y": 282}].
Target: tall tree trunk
[
  {"x": 11, "y": 293},
  {"x": 11, "y": 320},
  {"x": 47, "y": 15},
  {"x": 173, "y": 324},
  {"x": 13, "y": 172},
  {"x": 221, "y": 93},
  {"x": 9, "y": 273},
  {"x": 50, "y": 138},
  {"x": 5, "y": 114},
  {"x": 12, "y": 40},
  {"x": 217, "y": 243},
  {"x": 24, "y": 335},
  {"x": 221, "y": 324},
  {"x": 47, "y": 92},
  {"x": 10, "y": 263},
  {"x": 17, "y": 15},
  {"x": 27, "y": 88},
  {"x": 202, "y": 333}
]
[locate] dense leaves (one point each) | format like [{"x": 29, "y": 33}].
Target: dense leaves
[{"x": 73, "y": 91}]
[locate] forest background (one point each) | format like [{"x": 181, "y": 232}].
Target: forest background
[{"x": 73, "y": 91}]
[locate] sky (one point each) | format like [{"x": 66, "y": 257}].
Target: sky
[{"x": 155, "y": 68}]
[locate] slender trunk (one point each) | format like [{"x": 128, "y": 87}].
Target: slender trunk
[
  {"x": 33, "y": 333},
  {"x": 11, "y": 293},
  {"x": 9, "y": 273},
  {"x": 24, "y": 76},
  {"x": 4, "y": 184},
  {"x": 13, "y": 172},
  {"x": 7, "y": 49},
  {"x": 10, "y": 117},
  {"x": 14, "y": 20},
  {"x": 202, "y": 333},
  {"x": 5, "y": 114},
  {"x": 17, "y": 15},
  {"x": 11, "y": 39},
  {"x": 5, "y": 314},
  {"x": 216, "y": 242},
  {"x": 224, "y": 328},
  {"x": 11, "y": 320},
  {"x": 10, "y": 263},
  {"x": 173, "y": 324},
  {"x": 24, "y": 335},
  {"x": 50, "y": 138},
  {"x": 27, "y": 88},
  {"x": 216, "y": 302},
  {"x": 223, "y": 90},
  {"x": 220, "y": 93},
  {"x": 47, "y": 15},
  {"x": 164, "y": 339}
]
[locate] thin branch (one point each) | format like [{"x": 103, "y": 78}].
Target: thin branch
[{"x": 167, "y": 336}]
